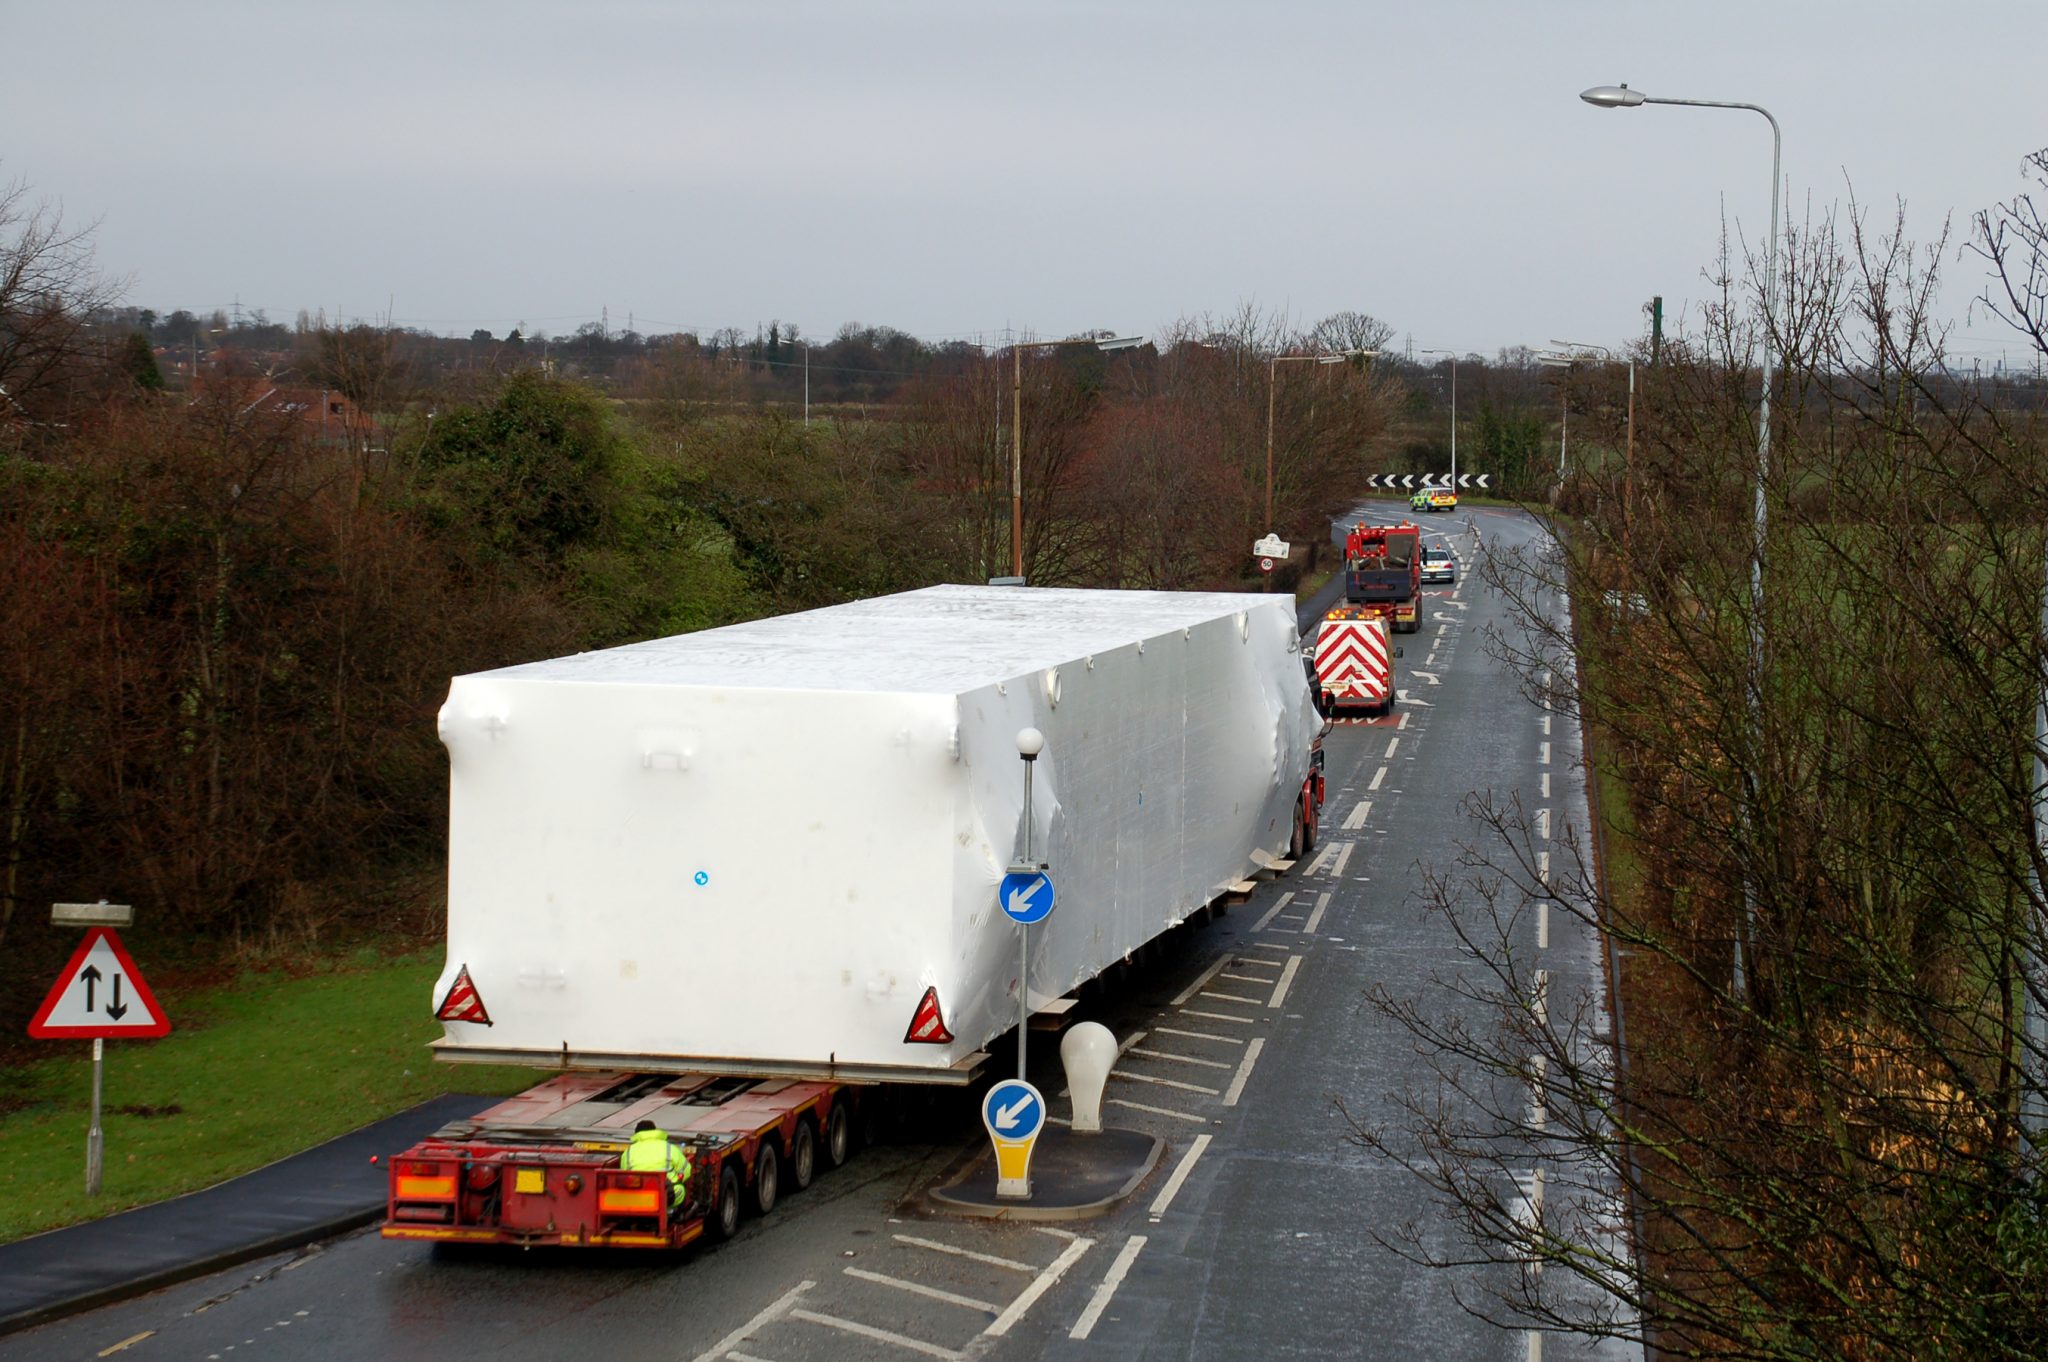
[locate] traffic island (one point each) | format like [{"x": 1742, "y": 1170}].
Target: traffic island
[{"x": 1073, "y": 1177}]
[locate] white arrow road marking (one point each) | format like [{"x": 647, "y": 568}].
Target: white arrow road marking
[
  {"x": 1007, "y": 1117},
  {"x": 1407, "y": 699},
  {"x": 1427, "y": 676}
]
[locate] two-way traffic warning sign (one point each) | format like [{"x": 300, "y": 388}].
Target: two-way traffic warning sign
[{"x": 99, "y": 996}]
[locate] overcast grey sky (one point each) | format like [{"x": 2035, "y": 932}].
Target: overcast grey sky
[{"x": 950, "y": 168}]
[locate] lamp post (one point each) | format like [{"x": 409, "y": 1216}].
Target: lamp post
[
  {"x": 1272, "y": 375},
  {"x": 1621, "y": 97},
  {"x": 1564, "y": 407},
  {"x": 1454, "y": 411},
  {"x": 805, "y": 346},
  {"x": 1017, "y": 349}
]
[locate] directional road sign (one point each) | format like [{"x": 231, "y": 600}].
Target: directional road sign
[
  {"x": 1027, "y": 896},
  {"x": 1014, "y": 1113},
  {"x": 100, "y": 995}
]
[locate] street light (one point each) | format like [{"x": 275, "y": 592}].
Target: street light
[
  {"x": 1017, "y": 430},
  {"x": 1272, "y": 373},
  {"x": 1454, "y": 411},
  {"x": 1621, "y": 97}
]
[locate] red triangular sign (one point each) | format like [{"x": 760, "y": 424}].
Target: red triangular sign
[
  {"x": 463, "y": 1002},
  {"x": 927, "y": 1025},
  {"x": 100, "y": 995}
]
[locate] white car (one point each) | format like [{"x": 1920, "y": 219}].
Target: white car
[{"x": 1439, "y": 564}]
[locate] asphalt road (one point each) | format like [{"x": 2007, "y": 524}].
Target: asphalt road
[{"x": 1254, "y": 1239}]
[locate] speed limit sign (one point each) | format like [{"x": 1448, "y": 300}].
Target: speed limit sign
[{"x": 1265, "y": 565}]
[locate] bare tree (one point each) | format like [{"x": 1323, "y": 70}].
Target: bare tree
[{"x": 50, "y": 287}]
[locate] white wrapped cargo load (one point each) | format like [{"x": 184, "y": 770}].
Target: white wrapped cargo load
[{"x": 755, "y": 848}]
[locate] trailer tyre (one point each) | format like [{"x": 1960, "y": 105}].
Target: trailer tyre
[
  {"x": 724, "y": 1220},
  {"x": 1308, "y": 826},
  {"x": 838, "y": 1136},
  {"x": 803, "y": 1155},
  {"x": 767, "y": 1178}
]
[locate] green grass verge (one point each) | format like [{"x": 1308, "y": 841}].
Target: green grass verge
[{"x": 254, "y": 1071}]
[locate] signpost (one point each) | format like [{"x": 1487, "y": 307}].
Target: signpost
[
  {"x": 1014, "y": 1114},
  {"x": 99, "y": 995}
]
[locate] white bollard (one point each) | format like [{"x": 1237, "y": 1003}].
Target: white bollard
[{"x": 1089, "y": 1052}]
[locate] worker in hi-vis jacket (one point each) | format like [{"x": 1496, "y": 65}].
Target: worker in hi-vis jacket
[{"x": 651, "y": 1151}]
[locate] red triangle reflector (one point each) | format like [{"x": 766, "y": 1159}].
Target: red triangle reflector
[
  {"x": 463, "y": 1002},
  {"x": 927, "y": 1026}
]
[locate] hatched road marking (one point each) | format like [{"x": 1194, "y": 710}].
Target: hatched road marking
[
  {"x": 1039, "y": 1286},
  {"x": 920, "y": 1289},
  {"x": 775, "y": 1311},
  {"x": 1114, "y": 1278},
  {"x": 1180, "y": 1175},
  {"x": 1244, "y": 1071}
]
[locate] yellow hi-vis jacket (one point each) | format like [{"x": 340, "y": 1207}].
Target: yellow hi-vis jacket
[{"x": 651, "y": 1152}]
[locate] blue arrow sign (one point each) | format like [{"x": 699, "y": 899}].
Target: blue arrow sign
[
  {"x": 1027, "y": 896},
  {"x": 1013, "y": 1110}
]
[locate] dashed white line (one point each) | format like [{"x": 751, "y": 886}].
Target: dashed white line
[
  {"x": 1405, "y": 716},
  {"x": 1039, "y": 1286},
  {"x": 1539, "y": 996},
  {"x": 1546, "y": 725},
  {"x": 1130, "y": 1077},
  {"x": 1198, "y": 1035},
  {"x": 1343, "y": 859},
  {"x": 1202, "y": 982},
  {"x": 1393, "y": 744},
  {"x": 1216, "y": 1016},
  {"x": 775, "y": 1311},
  {"x": 1546, "y": 785},
  {"x": 1315, "y": 919},
  {"x": 1543, "y": 924},
  {"x": 1377, "y": 777},
  {"x": 1273, "y": 912},
  {"x": 936, "y": 1247},
  {"x": 1182, "y": 1059},
  {"x": 1359, "y": 814},
  {"x": 1180, "y": 1175},
  {"x": 1543, "y": 754},
  {"x": 1543, "y": 867},
  {"x": 920, "y": 1289},
  {"x": 1111, "y": 1280},
  {"x": 1286, "y": 981},
  {"x": 1158, "y": 1111},
  {"x": 854, "y": 1326},
  {"x": 1543, "y": 823},
  {"x": 1244, "y": 1071}
]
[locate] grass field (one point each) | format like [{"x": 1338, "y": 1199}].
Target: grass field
[{"x": 254, "y": 1071}]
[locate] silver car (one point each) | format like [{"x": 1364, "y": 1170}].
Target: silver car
[{"x": 1439, "y": 564}]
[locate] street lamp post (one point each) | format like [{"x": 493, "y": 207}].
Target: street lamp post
[
  {"x": 1454, "y": 411},
  {"x": 1017, "y": 430},
  {"x": 1621, "y": 97},
  {"x": 806, "y": 347}
]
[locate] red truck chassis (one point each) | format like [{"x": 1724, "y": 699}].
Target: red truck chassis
[{"x": 543, "y": 1167}]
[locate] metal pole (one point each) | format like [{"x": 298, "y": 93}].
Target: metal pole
[
  {"x": 807, "y": 385},
  {"x": 93, "y": 1143},
  {"x": 1024, "y": 938},
  {"x": 1017, "y": 464},
  {"x": 1272, "y": 377},
  {"x": 1628, "y": 476},
  {"x": 1454, "y": 422}
]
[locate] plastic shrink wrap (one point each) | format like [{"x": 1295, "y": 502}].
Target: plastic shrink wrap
[{"x": 753, "y": 849}]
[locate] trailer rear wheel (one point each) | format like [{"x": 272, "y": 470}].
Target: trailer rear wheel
[
  {"x": 767, "y": 1178},
  {"x": 723, "y": 1222},
  {"x": 838, "y": 1136},
  {"x": 803, "y": 1154},
  {"x": 1308, "y": 826}
]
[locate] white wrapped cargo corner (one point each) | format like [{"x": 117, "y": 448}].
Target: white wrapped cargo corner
[{"x": 755, "y": 848}]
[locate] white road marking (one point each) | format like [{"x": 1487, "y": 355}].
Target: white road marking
[
  {"x": 1039, "y": 1286},
  {"x": 745, "y": 1357},
  {"x": 1182, "y": 1059},
  {"x": 1273, "y": 912},
  {"x": 1286, "y": 981},
  {"x": 1180, "y": 1175},
  {"x": 1128, "y": 1076},
  {"x": 775, "y": 1311},
  {"x": 1539, "y": 1001},
  {"x": 1543, "y": 867},
  {"x": 1427, "y": 676},
  {"x": 1543, "y": 822},
  {"x": 1377, "y": 777},
  {"x": 1111, "y": 1280},
  {"x": 1129, "y": 1041},
  {"x": 1392, "y": 744},
  {"x": 1158, "y": 1111},
  {"x": 920, "y": 1289},
  {"x": 1404, "y": 721},
  {"x": 936, "y": 1247},
  {"x": 1535, "y": 1349},
  {"x": 1244, "y": 1071},
  {"x": 1198, "y": 1035},
  {"x": 1315, "y": 919},
  {"x": 1539, "y": 1110},
  {"x": 1543, "y": 925},
  {"x": 1266, "y": 946},
  {"x": 1359, "y": 814},
  {"x": 1546, "y": 725},
  {"x": 1546, "y": 785},
  {"x": 1543, "y": 754},
  {"x": 1315, "y": 867},
  {"x": 1343, "y": 859},
  {"x": 1226, "y": 997},
  {"x": 1216, "y": 1016},
  {"x": 1250, "y": 978},
  {"x": 854, "y": 1326},
  {"x": 1201, "y": 983}
]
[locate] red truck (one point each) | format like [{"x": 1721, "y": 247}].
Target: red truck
[
  {"x": 1383, "y": 573},
  {"x": 543, "y": 1167}
]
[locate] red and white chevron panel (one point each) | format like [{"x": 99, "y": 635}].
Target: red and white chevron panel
[{"x": 1352, "y": 661}]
